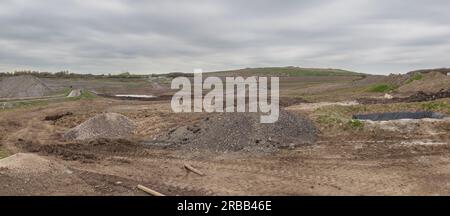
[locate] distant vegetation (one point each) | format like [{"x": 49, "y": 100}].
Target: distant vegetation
[
  {"x": 173, "y": 75},
  {"x": 67, "y": 74},
  {"x": 10, "y": 105},
  {"x": 381, "y": 88},
  {"x": 268, "y": 71},
  {"x": 287, "y": 71}
]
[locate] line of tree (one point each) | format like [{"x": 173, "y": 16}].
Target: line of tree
[{"x": 67, "y": 74}]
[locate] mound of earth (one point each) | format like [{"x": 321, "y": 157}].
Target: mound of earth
[
  {"x": 444, "y": 71},
  {"x": 391, "y": 79},
  {"x": 85, "y": 151},
  {"x": 232, "y": 132},
  {"x": 31, "y": 163},
  {"x": 30, "y": 174},
  {"x": 23, "y": 87},
  {"x": 430, "y": 83},
  {"x": 106, "y": 125}
]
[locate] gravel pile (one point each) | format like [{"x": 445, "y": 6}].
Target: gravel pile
[
  {"x": 232, "y": 132},
  {"x": 31, "y": 163},
  {"x": 23, "y": 87},
  {"x": 106, "y": 125}
]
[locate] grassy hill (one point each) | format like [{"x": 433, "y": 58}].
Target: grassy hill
[{"x": 286, "y": 72}]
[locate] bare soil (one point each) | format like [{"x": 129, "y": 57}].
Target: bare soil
[{"x": 346, "y": 164}]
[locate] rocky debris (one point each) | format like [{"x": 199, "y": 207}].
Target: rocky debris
[
  {"x": 23, "y": 87},
  {"x": 31, "y": 174},
  {"x": 388, "y": 96},
  {"x": 422, "y": 96},
  {"x": 417, "y": 97},
  {"x": 232, "y": 132},
  {"x": 27, "y": 162},
  {"x": 396, "y": 79},
  {"x": 106, "y": 125},
  {"x": 406, "y": 129}
]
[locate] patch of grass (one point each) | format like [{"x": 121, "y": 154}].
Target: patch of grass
[
  {"x": 415, "y": 77},
  {"x": 436, "y": 106},
  {"x": 339, "y": 119},
  {"x": 3, "y": 153},
  {"x": 27, "y": 104},
  {"x": 329, "y": 119},
  {"x": 382, "y": 88},
  {"x": 67, "y": 91},
  {"x": 355, "y": 124},
  {"x": 87, "y": 95}
]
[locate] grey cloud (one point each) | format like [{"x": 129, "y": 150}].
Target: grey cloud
[{"x": 108, "y": 36}]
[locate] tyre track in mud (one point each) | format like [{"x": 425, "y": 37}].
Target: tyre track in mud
[{"x": 264, "y": 179}]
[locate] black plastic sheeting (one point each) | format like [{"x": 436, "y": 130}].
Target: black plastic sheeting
[{"x": 399, "y": 115}]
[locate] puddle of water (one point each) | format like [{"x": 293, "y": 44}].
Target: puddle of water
[{"x": 135, "y": 96}]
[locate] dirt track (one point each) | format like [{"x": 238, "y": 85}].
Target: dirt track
[{"x": 115, "y": 167}]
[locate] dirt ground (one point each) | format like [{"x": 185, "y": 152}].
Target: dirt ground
[{"x": 348, "y": 165}]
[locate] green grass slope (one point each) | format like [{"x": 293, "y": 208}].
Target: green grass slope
[{"x": 286, "y": 72}]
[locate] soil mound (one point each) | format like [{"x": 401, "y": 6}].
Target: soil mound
[
  {"x": 29, "y": 162},
  {"x": 391, "y": 79},
  {"x": 30, "y": 174},
  {"x": 106, "y": 125},
  {"x": 85, "y": 151},
  {"x": 232, "y": 132},
  {"x": 430, "y": 83},
  {"x": 23, "y": 87}
]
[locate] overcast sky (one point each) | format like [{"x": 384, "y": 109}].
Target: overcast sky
[{"x": 112, "y": 36}]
